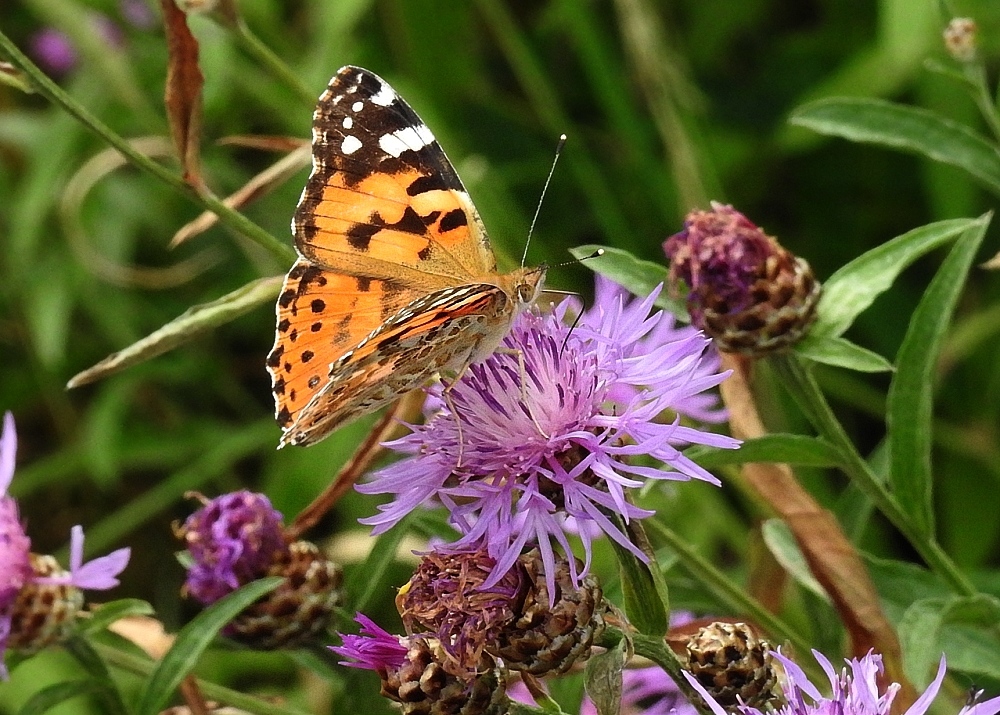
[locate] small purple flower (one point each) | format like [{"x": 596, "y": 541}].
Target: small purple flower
[
  {"x": 854, "y": 693},
  {"x": 53, "y": 50},
  {"x": 372, "y": 649},
  {"x": 15, "y": 560},
  {"x": 527, "y": 456},
  {"x": 233, "y": 539}
]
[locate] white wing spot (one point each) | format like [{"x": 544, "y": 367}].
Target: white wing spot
[
  {"x": 357, "y": 106},
  {"x": 384, "y": 97},
  {"x": 350, "y": 144},
  {"x": 348, "y": 123},
  {"x": 415, "y": 138}
]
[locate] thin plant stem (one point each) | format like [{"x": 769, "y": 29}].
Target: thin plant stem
[
  {"x": 274, "y": 64},
  {"x": 810, "y": 399},
  {"x": 55, "y": 94}
]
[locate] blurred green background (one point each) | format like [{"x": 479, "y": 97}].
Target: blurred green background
[{"x": 650, "y": 93}]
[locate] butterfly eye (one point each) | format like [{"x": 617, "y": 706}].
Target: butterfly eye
[{"x": 525, "y": 293}]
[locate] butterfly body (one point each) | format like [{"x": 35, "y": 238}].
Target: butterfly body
[{"x": 396, "y": 279}]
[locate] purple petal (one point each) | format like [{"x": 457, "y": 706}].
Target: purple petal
[
  {"x": 8, "y": 450},
  {"x": 924, "y": 701},
  {"x": 99, "y": 574}
]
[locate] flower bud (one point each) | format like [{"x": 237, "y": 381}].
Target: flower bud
[
  {"x": 960, "y": 39},
  {"x": 733, "y": 665},
  {"x": 746, "y": 292},
  {"x": 43, "y": 613}
]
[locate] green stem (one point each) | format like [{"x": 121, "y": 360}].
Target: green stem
[
  {"x": 55, "y": 94},
  {"x": 976, "y": 74},
  {"x": 274, "y": 64},
  {"x": 733, "y": 597},
  {"x": 803, "y": 387},
  {"x": 144, "y": 667}
]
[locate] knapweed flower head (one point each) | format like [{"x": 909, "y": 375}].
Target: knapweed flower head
[
  {"x": 233, "y": 539},
  {"x": 413, "y": 673},
  {"x": 744, "y": 290},
  {"x": 38, "y": 599},
  {"x": 238, "y": 538},
  {"x": 855, "y": 691},
  {"x": 512, "y": 458},
  {"x": 516, "y": 620}
]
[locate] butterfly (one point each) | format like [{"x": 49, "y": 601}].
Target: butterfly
[{"x": 396, "y": 281}]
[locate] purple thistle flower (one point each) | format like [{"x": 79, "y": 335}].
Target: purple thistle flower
[
  {"x": 233, "y": 539},
  {"x": 373, "y": 649},
  {"x": 15, "y": 558},
  {"x": 854, "y": 693},
  {"x": 558, "y": 445}
]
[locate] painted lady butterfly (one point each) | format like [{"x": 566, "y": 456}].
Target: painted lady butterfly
[{"x": 396, "y": 280}]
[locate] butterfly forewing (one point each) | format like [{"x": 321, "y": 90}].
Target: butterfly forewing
[{"x": 382, "y": 195}]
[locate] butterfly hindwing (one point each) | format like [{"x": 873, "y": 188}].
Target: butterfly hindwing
[{"x": 321, "y": 315}]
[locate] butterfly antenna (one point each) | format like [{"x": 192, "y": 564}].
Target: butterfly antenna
[{"x": 538, "y": 209}]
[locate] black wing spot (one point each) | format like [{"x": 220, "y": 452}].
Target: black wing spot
[
  {"x": 283, "y": 325},
  {"x": 274, "y": 359},
  {"x": 318, "y": 305},
  {"x": 279, "y": 386},
  {"x": 364, "y": 284},
  {"x": 294, "y": 335},
  {"x": 313, "y": 381},
  {"x": 284, "y": 416},
  {"x": 424, "y": 253},
  {"x": 360, "y": 234},
  {"x": 423, "y": 184},
  {"x": 286, "y": 298},
  {"x": 410, "y": 223},
  {"x": 307, "y": 355},
  {"x": 316, "y": 327},
  {"x": 455, "y": 218}
]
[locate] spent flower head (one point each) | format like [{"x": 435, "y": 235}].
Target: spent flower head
[
  {"x": 855, "y": 691},
  {"x": 744, "y": 289},
  {"x": 38, "y": 599},
  {"x": 548, "y": 427}
]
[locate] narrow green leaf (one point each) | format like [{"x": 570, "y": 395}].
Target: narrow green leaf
[
  {"x": 87, "y": 657},
  {"x": 637, "y": 276},
  {"x": 191, "y": 642},
  {"x": 379, "y": 560},
  {"x": 897, "y": 126},
  {"x": 841, "y": 352},
  {"x": 784, "y": 448},
  {"x": 781, "y": 543},
  {"x": 48, "y": 698},
  {"x": 603, "y": 679},
  {"x": 849, "y": 291},
  {"x": 643, "y": 604},
  {"x": 108, "y": 613},
  {"x": 919, "y": 637},
  {"x": 189, "y": 324},
  {"x": 910, "y": 402}
]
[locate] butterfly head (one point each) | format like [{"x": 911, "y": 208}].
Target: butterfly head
[{"x": 527, "y": 285}]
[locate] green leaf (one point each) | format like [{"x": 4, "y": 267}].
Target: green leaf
[
  {"x": 897, "y": 126},
  {"x": 87, "y": 657},
  {"x": 929, "y": 624},
  {"x": 910, "y": 402},
  {"x": 919, "y": 636},
  {"x": 108, "y": 613},
  {"x": 781, "y": 543},
  {"x": 849, "y": 291},
  {"x": 643, "y": 605},
  {"x": 637, "y": 276},
  {"x": 191, "y": 323},
  {"x": 191, "y": 642},
  {"x": 48, "y": 698},
  {"x": 379, "y": 560},
  {"x": 603, "y": 679},
  {"x": 841, "y": 352},
  {"x": 784, "y": 448}
]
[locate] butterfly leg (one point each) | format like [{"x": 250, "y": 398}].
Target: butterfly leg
[{"x": 524, "y": 381}]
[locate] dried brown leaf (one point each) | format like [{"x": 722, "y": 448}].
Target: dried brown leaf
[
  {"x": 259, "y": 185},
  {"x": 831, "y": 556},
  {"x": 264, "y": 143},
  {"x": 183, "y": 90}
]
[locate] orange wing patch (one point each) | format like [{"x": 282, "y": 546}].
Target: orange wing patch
[{"x": 322, "y": 315}]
